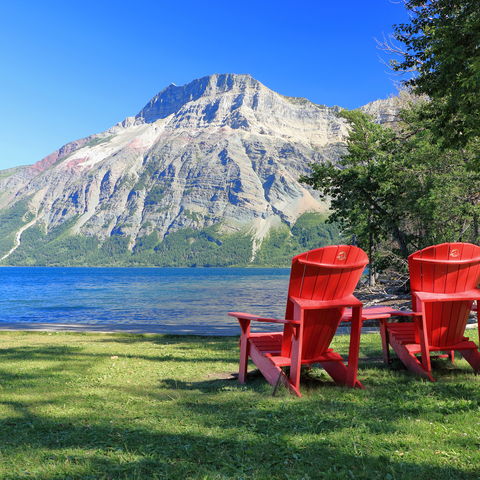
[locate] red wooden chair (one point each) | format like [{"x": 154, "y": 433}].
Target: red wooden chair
[
  {"x": 322, "y": 282},
  {"x": 444, "y": 282}
]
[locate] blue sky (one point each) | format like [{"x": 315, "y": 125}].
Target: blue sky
[{"x": 69, "y": 68}]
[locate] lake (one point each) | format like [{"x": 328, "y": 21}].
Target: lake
[{"x": 163, "y": 300}]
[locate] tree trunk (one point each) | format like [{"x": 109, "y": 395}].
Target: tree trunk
[
  {"x": 475, "y": 233},
  {"x": 371, "y": 250},
  {"x": 401, "y": 240}
]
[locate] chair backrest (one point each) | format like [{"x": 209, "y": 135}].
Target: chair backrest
[
  {"x": 327, "y": 273},
  {"x": 445, "y": 268}
]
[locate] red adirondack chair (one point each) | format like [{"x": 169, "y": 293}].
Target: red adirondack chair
[
  {"x": 444, "y": 282},
  {"x": 322, "y": 282}
]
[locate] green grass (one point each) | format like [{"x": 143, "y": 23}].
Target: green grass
[{"x": 95, "y": 406}]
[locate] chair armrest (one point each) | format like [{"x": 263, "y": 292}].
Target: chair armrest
[
  {"x": 349, "y": 301},
  {"x": 248, "y": 316},
  {"x": 445, "y": 297}
]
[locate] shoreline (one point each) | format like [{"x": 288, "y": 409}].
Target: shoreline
[
  {"x": 142, "y": 329},
  {"x": 179, "y": 329}
]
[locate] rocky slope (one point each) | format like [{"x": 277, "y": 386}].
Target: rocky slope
[{"x": 206, "y": 173}]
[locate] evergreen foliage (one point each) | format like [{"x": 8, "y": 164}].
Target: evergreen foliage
[
  {"x": 277, "y": 248},
  {"x": 403, "y": 188},
  {"x": 183, "y": 248},
  {"x": 399, "y": 190},
  {"x": 56, "y": 248},
  {"x": 208, "y": 248},
  {"x": 310, "y": 231},
  {"x": 442, "y": 48},
  {"x": 11, "y": 219}
]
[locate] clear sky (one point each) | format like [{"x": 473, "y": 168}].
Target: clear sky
[{"x": 72, "y": 68}]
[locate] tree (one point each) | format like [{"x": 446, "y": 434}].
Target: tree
[
  {"x": 417, "y": 184},
  {"x": 398, "y": 190},
  {"x": 442, "y": 47},
  {"x": 358, "y": 186}
]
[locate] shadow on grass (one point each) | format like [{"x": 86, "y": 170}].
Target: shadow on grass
[
  {"x": 254, "y": 379},
  {"x": 235, "y": 446},
  {"x": 69, "y": 449},
  {"x": 215, "y": 428}
]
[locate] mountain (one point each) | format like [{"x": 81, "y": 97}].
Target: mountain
[{"x": 205, "y": 174}]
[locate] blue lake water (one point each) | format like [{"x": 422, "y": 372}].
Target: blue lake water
[{"x": 170, "y": 300}]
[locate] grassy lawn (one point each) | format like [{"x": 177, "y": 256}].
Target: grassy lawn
[{"x": 92, "y": 406}]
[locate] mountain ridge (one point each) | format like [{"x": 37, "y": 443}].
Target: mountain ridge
[{"x": 219, "y": 157}]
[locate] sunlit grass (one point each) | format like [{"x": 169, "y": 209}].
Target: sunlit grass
[{"x": 97, "y": 406}]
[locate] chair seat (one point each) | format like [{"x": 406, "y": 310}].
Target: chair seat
[
  {"x": 404, "y": 334},
  {"x": 270, "y": 345},
  {"x": 371, "y": 313},
  {"x": 267, "y": 343}
]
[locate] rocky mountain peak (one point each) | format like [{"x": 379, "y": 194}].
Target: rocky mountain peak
[{"x": 171, "y": 99}]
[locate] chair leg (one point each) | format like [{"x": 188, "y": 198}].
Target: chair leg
[
  {"x": 472, "y": 357},
  {"x": 427, "y": 365},
  {"x": 242, "y": 369},
  {"x": 296, "y": 353},
  {"x": 354, "y": 350},
  {"x": 244, "y": 349},
  {"x": 410, "y": 360},
  {"x": 339, "y": 373},
  {"x": 296, "y": 363},
  {"x": 425, "y": 347},
  {"x": 385, "y": 342},
  {"x": 451, "y": 356}
]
